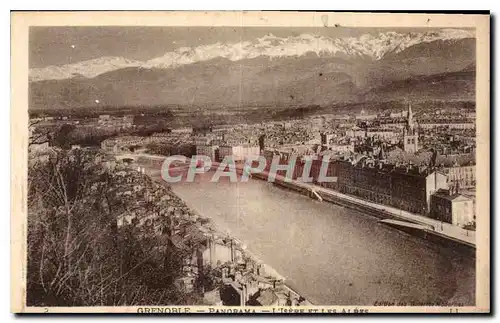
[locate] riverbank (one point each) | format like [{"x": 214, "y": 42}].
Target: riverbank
[
  {"x": 257, "y": 276},
  {"x": 332, "y": 254},
  {"x": 437, "y": 231},
  {"x": 327, "y": 251},
  {"x": 432, "y": 230}
]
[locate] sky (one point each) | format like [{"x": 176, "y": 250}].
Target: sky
[{"x": 66, "y": 45}]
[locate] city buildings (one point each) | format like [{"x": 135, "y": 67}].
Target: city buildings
[
  {"x": 462, "y": 124},
  {"x": 108, "y": 121},
  {"x": 385, "y": 158},
  {"x": 341, "y": 148},
  {"x": 464, "y": 176},
  {"x": 182, "y": 130},
  {"x": 211, "y": 151}
]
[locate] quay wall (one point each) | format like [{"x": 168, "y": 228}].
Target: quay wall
[
  {"x": 305, "y": 189},
  {"x": 438, "y": 238},
  {"x": 427, "y": 234}
]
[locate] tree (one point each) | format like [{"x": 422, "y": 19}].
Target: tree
[
  {"x": 78, "y": 256},
  {"x": 69, "y": 231},
  {"x": 62, "y": 136}
]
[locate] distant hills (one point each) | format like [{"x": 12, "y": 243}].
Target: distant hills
[
  {"x": 280, "y": 71},
  {"x": 458, "y": 86}
]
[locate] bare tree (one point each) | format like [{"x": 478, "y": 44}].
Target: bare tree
[{"x": 77, "y": 255}]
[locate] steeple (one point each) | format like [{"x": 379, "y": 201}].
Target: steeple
[
  {"x": 410, "y": 134},
  {"x": 381, "y": 153},
  {"x": 410, "y": 117}
]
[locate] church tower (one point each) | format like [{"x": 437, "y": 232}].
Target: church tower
[{"x": 410, "y": 134}]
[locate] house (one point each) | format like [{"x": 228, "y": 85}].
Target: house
[
  {"x": 212, "y": 298},
  {"x": 217, "y": 252},
  {"x": 449, "y": 206},
  {"x": 266, "y": 297},
  {"x": 238, "y": 152},
  {"x": 104, "y": 118}
]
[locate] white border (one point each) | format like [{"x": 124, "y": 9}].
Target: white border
[{"x": 184, "y": 5}]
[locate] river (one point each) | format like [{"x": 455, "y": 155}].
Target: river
[{"x": 330, "y": 254}]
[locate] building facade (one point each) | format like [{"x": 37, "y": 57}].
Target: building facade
[
  {"x": 465, "y": 176},
  {"x": 446, "y": 124},
  {"x": 408, "y": 188},
  {"x": 450, "y": 207},
  {"x": 207, "y": 150},
  {"x": 239, "y": 152}
]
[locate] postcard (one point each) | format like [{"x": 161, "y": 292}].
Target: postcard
[{"x": 250, "y": 162}]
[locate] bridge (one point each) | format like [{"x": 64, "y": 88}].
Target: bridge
[
  {"x": 156, "y": 160},
  {"x": 143, "y": 156}
]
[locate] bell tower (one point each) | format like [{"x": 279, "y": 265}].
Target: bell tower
[{"x": 410, "y": 134}]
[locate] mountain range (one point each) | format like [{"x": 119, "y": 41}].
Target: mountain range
[{"x": 304, "y": 69}]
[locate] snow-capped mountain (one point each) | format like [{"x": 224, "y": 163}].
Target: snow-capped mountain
[
  {"x": 89, "y": 69},
  {"x": 367, "y": 46},
  {"x": 370, "y": 46}
]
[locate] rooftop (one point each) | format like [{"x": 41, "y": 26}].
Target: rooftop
[{"x": 445, "y": 194}]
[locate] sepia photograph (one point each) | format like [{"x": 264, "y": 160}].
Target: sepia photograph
[{"x": 336, "y": 164}]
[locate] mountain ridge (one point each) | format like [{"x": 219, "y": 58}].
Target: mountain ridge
[
  {"x": 366, "y": 47},
  {"x": 287, "y": 80}
]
